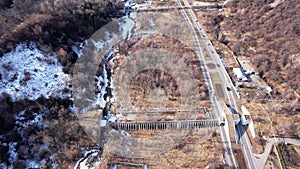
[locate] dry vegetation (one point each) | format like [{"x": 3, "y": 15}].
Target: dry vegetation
[
  {"x": 54, "y": 25},
  {"x": 160, "y": 3},
  {"x": 219, "y": 1},
  {"x": 191, "y": 152},
  {"x": 273, "y": 119},
  {"x": 266, "y": 33},
  {"x": 291, "y": 155},
  {"x": 272, "y": 161},
  {"x": 169, "y": 82},
  {"x": 288, "y": 155},
  {"x": 60, "y": 132}
]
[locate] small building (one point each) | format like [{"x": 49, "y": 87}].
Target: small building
[
  {"x": 249, "y": 72},
  {"x": 240, "y": 74},
  {"x": 247, "y": 120}
]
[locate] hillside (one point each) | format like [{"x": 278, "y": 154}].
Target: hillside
[
  {"x": 268, "y": 33},
  {"x": 42, "y": 39},
  {"x": 39, "y": 44}
]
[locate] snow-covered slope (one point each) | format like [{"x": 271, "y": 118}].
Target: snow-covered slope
[
  {"x": 28, "y": 73},
  {"x": 28, "y": 124}
]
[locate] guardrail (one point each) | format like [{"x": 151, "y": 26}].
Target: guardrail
[
  {"x": 158, "y": 9},
  {"x": 168, "y": 125}
]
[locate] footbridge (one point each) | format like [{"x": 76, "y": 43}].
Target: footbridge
[{"x": 168, "y": 125}]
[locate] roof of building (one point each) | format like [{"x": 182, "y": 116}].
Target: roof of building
[
  {"x": 239, "y": 72},
  {"x": 244, "y": 110}
]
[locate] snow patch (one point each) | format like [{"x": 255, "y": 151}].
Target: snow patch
[
  {"x": 102, "y": 79},
  {"x": 72, "y": 108},
  {"x": 78, "y": 48},
  {"x": 89, "y": 160},
  {"x": 126, "y": 28},
  {"x": 3, "y": 165},
  {"x": 28, "y": 73},
  {"x": 22, "y": 122},
  {"x": 99, "y": 45},
  {"x": 129, "y": 3},
  {"x": 13, "y": 155},
  {"x": 111, "y": 119},
  {"x": 30, "y": 164},
  {"x": 33, "y": 118}
]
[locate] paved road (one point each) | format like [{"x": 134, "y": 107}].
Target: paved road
[
  {"x": 224, "y": 131},
  {"x": 246, "y": 146},
  {"x": 253, "y": 161},
  {"x": 260, "y": 159}
]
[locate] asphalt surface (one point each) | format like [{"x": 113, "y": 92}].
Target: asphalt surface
[
  {"x": 253, "y": 160},
  {"x": 224, "y": 131}
]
